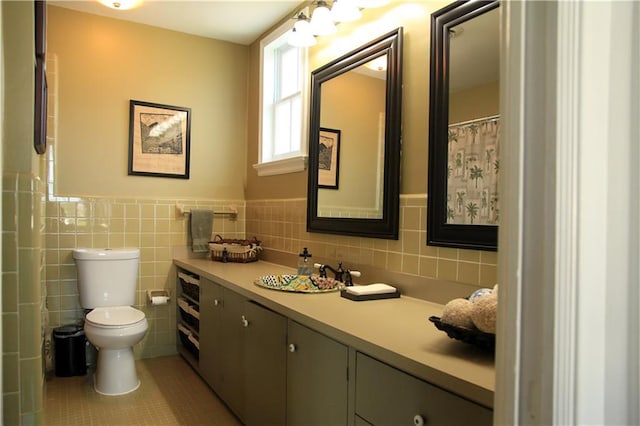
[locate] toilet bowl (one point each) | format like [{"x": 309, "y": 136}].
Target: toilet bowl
[
  {"x": 114, "y": 331},
  {"x": 107, "y": 286}
]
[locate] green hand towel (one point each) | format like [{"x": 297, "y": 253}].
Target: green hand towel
[{"x": 201, "y": 229}]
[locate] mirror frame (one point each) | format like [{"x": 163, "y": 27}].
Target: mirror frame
[
  {"x": 386, "y": 227},
  {"x": 439, "y": 232}
]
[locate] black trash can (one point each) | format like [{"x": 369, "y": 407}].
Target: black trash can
[{"x": 70, "y": 351}]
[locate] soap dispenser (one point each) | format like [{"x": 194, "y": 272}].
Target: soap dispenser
[{"x": 305, "y": 267}]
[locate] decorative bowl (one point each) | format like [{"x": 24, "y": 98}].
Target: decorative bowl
[
  {"x": 485, "y": 341},
  {"x": 299, "y": 283}
]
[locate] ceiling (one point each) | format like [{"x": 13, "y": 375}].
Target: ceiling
[{"x": 237, "y": 21}]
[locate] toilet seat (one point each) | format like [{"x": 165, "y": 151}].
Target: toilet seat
[{"x": 114, "y": 317}]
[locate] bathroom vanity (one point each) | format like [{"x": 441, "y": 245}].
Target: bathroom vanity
[{"x": 289, "y": 358}]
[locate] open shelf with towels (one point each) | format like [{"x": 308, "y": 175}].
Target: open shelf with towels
[{"x": 188, "y": 318}]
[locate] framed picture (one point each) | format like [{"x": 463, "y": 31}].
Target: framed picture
[
  {"x": 328, "y": 158},
  {"x": 159, "y": 138}
]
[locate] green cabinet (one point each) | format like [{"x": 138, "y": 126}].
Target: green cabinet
[
  {"x": 211, "y": 341},
  {"x": 243, "y": 354},
  {"x": 231, "y": 361},
  {"x": 317, "y": 378},
  {"x": 265, "y": 356},
  {"x": 272, "y": 370}
]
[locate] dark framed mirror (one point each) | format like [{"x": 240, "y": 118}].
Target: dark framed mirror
[
  {"x": 464, "y": 126},
  {"x": 354, "y": 141}
]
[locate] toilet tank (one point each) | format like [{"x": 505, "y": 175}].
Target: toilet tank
[{"x": 107, "y": 277}]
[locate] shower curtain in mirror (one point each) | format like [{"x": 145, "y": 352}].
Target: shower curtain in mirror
[{"x": 472, "y": 182}]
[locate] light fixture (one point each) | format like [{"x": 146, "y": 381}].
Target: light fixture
[
  {"x": 321, "y": 21},
  {"x": 345, "y": 11},
  {"x": 301, "y": 35},
  {"x": 121, "y": 4}
]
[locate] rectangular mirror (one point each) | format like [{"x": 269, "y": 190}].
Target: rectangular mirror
[
  {"x": 354, "y": 142},
  {"x": 464, "y": 126}
]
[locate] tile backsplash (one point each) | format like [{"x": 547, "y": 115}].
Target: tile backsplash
[
  {"x": 152, "y": 225},
  {"x": 157, "y": 228},
  {"x": 281, "y": 225}
]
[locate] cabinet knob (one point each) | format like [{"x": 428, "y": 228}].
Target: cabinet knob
[
  {"x": 216, "y": 302},
  {"x": 418, "y": 420},
  {"x": 245, "y": 322},
  {"x": 292, "y": 347}
]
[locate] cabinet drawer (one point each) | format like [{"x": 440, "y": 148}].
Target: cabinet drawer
[{"x": 387, "y": 396}]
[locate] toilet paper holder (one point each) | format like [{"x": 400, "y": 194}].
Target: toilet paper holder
[{"x": 158, "y": 297}]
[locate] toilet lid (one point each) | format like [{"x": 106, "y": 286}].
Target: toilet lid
[{"x": 115, "y": 316}]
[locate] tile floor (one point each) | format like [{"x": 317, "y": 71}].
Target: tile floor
[{"x": 170, "y": 393}]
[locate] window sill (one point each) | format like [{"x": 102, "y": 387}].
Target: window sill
[{"x": 281, "y": 167}]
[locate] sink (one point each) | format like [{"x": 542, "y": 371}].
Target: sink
[{"x": 299, "y": 283}]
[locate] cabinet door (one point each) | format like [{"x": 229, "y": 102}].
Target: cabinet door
[
  {"x": 317, "y": 378},
  {"x": 387, "y": 396},
  {"x": 211, "y": 341},
  {"x": 265, "y": 361},
  {"x": 232, "y": 355}
]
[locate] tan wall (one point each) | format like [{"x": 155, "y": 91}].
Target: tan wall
[
  {"x": 151, "y": 224},
  {"x": 94, "y": 66},
  {"x": 414, "y": 17},
  {"x": 276, "y": 205},
  {"x": 477, "y": 102},
  {"x": 103, "y": 63}
]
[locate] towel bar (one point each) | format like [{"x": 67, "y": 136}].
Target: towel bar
[{"x": 233, "y": 211}]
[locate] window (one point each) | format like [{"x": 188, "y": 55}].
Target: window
[{"x": 283, "y": 105}]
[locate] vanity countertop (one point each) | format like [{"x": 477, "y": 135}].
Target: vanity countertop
[{"x": 395, "y": 331}]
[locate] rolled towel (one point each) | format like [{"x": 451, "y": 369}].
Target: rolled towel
[
  {"x": 484, "y": 313},
  {"x": 363, "y": 290},
  {"x": 458, "y": 312}
]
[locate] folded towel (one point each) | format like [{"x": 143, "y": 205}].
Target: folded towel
[
  {"x": 201, "y": 229},
  {"x": 361, "y": 290}
]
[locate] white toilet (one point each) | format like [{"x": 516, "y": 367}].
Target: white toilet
[{"x": 107, "y": 285}]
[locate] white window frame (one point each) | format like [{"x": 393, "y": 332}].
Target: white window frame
[{"x": 295, "y": 160}]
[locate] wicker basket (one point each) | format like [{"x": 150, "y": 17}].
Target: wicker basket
[
  {"x": 485, "y": 341},
  {"x": 233, "y": 250},
  {"x": 189, "y": 313},
  {"x": 189, "y": 341},
  {"x": 190, "y": 285}
]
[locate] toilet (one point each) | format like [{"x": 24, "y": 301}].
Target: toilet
[{"x": 107, "y": 286}]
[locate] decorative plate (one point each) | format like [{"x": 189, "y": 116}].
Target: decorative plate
[
  {"x": 298, "y": 283},
  {"x": 485, "y": 341}
]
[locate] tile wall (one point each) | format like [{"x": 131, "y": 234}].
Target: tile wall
[
  {"x": 22, "y": 298},
  {"x": 152, "y": 225},
  {"x": 281, "y": 225},
  {"x": 23, "y": 189}
]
